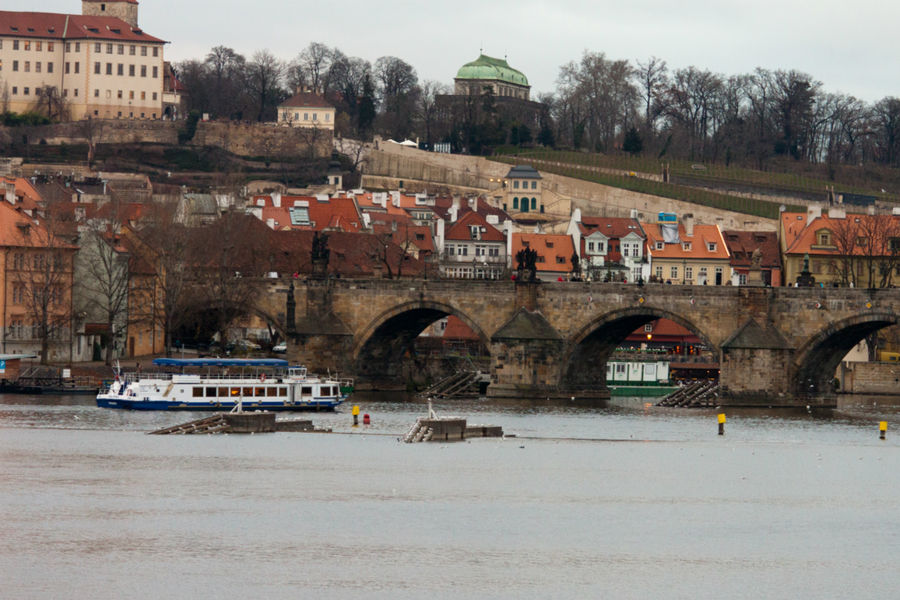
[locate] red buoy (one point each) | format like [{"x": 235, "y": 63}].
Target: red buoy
[{"x": 366, "y": 419}]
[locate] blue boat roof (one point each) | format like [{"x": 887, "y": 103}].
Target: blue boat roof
[{"x": 220, "y": 362}]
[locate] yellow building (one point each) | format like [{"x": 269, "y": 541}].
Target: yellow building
[
  {"x": 305, "y": 109},
  {"x": 687, "y": 253},
  {"x": 97, "y": 64}
]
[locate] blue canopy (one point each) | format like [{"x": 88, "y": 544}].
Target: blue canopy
[{"x": 220, "y": 362}]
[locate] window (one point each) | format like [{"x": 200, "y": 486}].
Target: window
[
  {"x": 96, "y": 68},
  {"x": 67, "y": 69},
  {"x": 143, "y": 70},
  {"x": 560, "y": 260},
  {"x": 77, "y": 66},
  {"x": 306, "y": 116},
  {"x": 686, "y": 246},
  {"x": 515, "y": 204},
  {"x": 711, "y": 246},
  {"x": 121, "y": 49},
  {"x": 15, "y": 65},
  {"x": 27, "y": 45},
  {"x": 131, "y": 50},
  {"x": 78, "y": 47},
  {"x": 315, "y": 115},
  {"x": 689, "y": 272},
  {"x": 515, "y": 185},
  {"x": 49, "y": 46},
  {"x": 131, "y": 70},
  {"x": 155, "y": 51},
  {"x": 131, "y": 94},
  {"x": 37, "y": 67},
  {"x": 154, "y": 95},
  {"x": 109, "y": 68},
  {"x": 97, "y": 47},
  {"x": 27, "y": 66},
  {"x": 327, "y": 117},
  {"x": 68, "y": 46},
  {"x": 15, "y": 44},
  {"x": 15, "y": 91},
  {"x": 119, "y": 96},
  {"x": 96, "y": 93},
  {"x": 143, "y": 50},
  {"x": 143, "y": 95},
  {"x": 659, "y": 271},
  {"x": 673, "y": 273},
  {"x": 120, "y": 69},
  {"x": 37, "y": 46},
  {"x": 109, "y": 48},
  {"x": 862, "y": 241},
  {"x": 534, "y": 185},
  {"x": 25, "y": 91},
  {"x": 76, "y": 92},
  {"x": 659, "y": 245},
  {"x": 590, "y": 246},
  {"x": 534, "y": 203}
]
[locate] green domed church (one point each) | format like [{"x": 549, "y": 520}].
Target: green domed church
[{"x": 485, "y": 72}]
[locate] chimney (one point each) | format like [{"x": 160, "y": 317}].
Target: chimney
[
  {"x": 813, "y": 211},
  {"x": 276, "y": 199},
  {"x": 11, "y": 192},
  {"x": 454, "y": 211},
  {"x": 475, "y": 204},
  {"x": 688, "y": 222}
]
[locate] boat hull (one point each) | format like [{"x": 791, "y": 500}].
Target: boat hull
[{"x": 135, "y": 404}]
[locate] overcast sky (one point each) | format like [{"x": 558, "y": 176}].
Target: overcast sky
[{"x": 848, "y": 46}]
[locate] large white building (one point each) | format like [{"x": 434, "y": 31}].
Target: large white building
[{"x": 97, "y": 64}]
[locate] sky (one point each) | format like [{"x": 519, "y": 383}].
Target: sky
[{"x": 848, "y": 46}]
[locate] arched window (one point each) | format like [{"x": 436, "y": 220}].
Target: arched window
[
  {"x": 534, "y": 204},
  {"x": 515, "y": 204}
]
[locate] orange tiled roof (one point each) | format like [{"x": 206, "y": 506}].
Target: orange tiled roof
[
  {"x": 62, "y": 26},
  {"x": 698, "y": 243},
  {"x": 460, "y": 230},
  {"x": 556, "y": 250},
  {"x": 800, "y": 233},
  {"x": 18, "y": 230},
  {"x": 306, "y": 100},
  {"x": 611, "y": 227}
]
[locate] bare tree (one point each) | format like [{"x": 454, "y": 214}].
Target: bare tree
[
  {"x": 91, "y": 130},
  {"x": 428, "y": 108},
  {"x": 50, "y": 103},
  {"x": 42, "y": 280},
  {"x": 103, "y": 273},
  {"x": 653, "y": 77},
  {"x": 264, "y": 74}
]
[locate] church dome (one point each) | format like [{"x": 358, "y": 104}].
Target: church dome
[{"x": 495, "y": 69}]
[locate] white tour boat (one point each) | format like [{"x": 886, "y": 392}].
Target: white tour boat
[{"x": 254, "y": 384}]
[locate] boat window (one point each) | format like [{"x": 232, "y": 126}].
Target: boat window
[
  {"x": 260, "y": 392},
  {"x": 248, "y": 392},
  {"x": 271, "y": 391},
  {"x": 223, "y": 392},
  {"x": 197, "y": 392},
  {"x": 235, "y": 391},
  {"x": 306, "y": 390},
  {"x": 210, "y": 392},
  {"x": 282, "y": 391}
]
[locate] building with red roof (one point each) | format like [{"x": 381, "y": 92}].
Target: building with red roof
[
  {"x": 472, "y": 248},
  {"x": 843, "y": 248},
  {"x": 611, "y": 248},
  {"x": 36, "y": 279},
  {"x": 688, "y": 253},
  {"x": 554, "y": 253},
  {"x": 96, "y": 64},
  {"x": 742, "y": 245},
  {"x": 311, "y": 213}
]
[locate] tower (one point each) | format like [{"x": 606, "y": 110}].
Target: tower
[{"x": 127, "y": 10}]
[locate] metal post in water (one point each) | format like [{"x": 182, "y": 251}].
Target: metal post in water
[
  {"x": 721, "y": 417},
  {"x": 355, "y": 413},
  {"x": 882, "y": 429}
]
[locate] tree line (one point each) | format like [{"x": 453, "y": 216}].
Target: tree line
[{"x": 599, "y": 104}]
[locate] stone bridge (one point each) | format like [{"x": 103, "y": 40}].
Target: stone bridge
[{"x": 776, "y": 346}]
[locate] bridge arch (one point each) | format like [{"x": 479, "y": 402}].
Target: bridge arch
[
  {"x": 201, "y": 321},
  {"x": 817, "y": 359},
  {"x": 599, "y": 338},
  {"x": 378, "y": 350}
]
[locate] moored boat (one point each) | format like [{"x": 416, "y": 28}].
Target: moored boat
[{"x": 227, "y": 383}]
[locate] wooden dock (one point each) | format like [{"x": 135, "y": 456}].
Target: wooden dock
[{"x": 242, "y": 422}]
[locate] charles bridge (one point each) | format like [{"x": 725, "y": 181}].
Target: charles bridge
[{"x": 776, "y": 346}]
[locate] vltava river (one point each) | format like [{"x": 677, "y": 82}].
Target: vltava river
[{"x": 619, "y": 502}]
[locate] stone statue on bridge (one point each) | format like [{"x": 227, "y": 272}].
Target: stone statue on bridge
[
  {"x": 527, "y": 265},
  {"x": 319, "y": 255}
]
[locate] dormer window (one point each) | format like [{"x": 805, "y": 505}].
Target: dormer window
[
  {"x": 711, "y": 246},
  {"x": 686, "y": 246},
  {"x": 660, "y": 245},
  {"x": 475, "y": 232}
]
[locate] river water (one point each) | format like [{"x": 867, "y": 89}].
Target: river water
[{"x": 623, "y": 501}]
